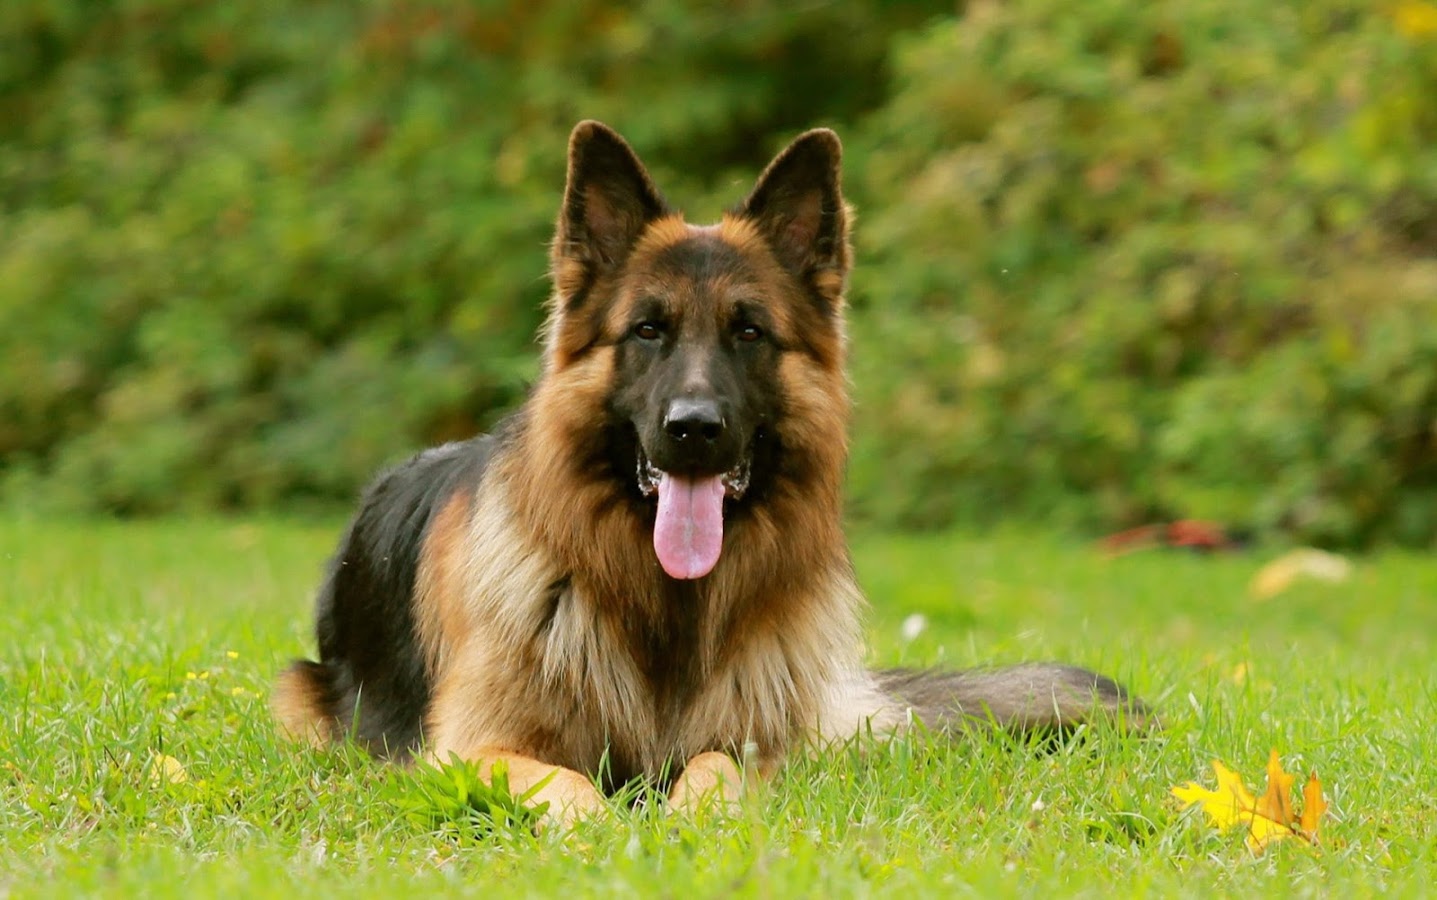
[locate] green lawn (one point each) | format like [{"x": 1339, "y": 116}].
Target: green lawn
[{"x": 123, "y": 641}]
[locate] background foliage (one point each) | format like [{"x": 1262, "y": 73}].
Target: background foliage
[{"x": 1117, "y": 261}]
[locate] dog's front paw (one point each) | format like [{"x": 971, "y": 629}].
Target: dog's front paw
[
  {"x": 710, "y": 781},
  {"x": 571, "y": 798}
]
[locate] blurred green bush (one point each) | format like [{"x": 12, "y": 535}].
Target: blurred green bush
[
  {"x": 251, "y": 251},
  {"x": 1118, "y": 261},
  {"x": 1129, "y": 261}
]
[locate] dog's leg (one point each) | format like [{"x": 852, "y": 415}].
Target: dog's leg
[
  {"x": 709, "y": 778},
  {"x": 461, "y": 722},
  {"x": 571, "y": 795}
]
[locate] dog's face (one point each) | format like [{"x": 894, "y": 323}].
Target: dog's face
[{"x": 696, "y": 322}]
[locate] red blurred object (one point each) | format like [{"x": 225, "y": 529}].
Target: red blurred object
[{"x": 1193, "y": 534}]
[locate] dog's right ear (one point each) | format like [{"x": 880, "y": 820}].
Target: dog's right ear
[{"x": 608, "y": 200}]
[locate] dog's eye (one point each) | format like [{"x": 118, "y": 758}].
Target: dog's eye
[
  {"x": 648, "y": 331},
  {"x": 749, "y": 333}
]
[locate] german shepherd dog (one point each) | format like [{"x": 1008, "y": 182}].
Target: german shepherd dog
[{"x": 642, "y": 573}]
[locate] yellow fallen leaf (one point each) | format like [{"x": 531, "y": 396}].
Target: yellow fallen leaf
[
  {"x": 1267, "y": 819},
  {"x": 1276, "y": 804},
  {"x": 167, "y": 770},
  {"x": 1231, "y": 804},
  {"x": 1279, "y": 575},
  {"x": 1313, "y": 807}
]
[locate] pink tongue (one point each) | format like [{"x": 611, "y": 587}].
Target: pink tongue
[{"x": 688, "y": 534}]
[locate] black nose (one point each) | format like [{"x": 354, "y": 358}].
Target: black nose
[{"x": 694, "y": 421}]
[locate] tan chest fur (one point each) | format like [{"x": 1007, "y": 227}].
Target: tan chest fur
[{"x": 568, "y": 674}]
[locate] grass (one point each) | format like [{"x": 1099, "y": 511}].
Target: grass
[{"x": 121, "y": 642}]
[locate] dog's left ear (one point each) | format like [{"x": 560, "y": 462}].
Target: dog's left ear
[{"x": 798, "y": 206}]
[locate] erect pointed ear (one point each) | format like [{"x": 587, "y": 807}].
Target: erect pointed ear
[
  {"x": 798, "y": 205},
  {"x": 608, "y": 200}
]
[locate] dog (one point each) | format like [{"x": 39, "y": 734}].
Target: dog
[{"x": 642, "y": 574}]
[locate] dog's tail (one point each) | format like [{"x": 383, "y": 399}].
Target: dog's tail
[
  {"x": 305, "y": 701},
  {"x": 1033, "y": 697}
]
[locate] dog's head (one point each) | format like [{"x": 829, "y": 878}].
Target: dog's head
[{"x": 710, "y": 336}]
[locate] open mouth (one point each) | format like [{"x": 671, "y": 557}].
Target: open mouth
[
  {"x": 688, "y": 529},
  {"x": 735, "y": 480}
]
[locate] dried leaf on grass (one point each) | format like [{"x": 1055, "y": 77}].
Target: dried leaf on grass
[
  {"x": 1280, "y": 574},
  {"x": 1268, "y": 818},
  {"x": 167, "y": 770}
]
